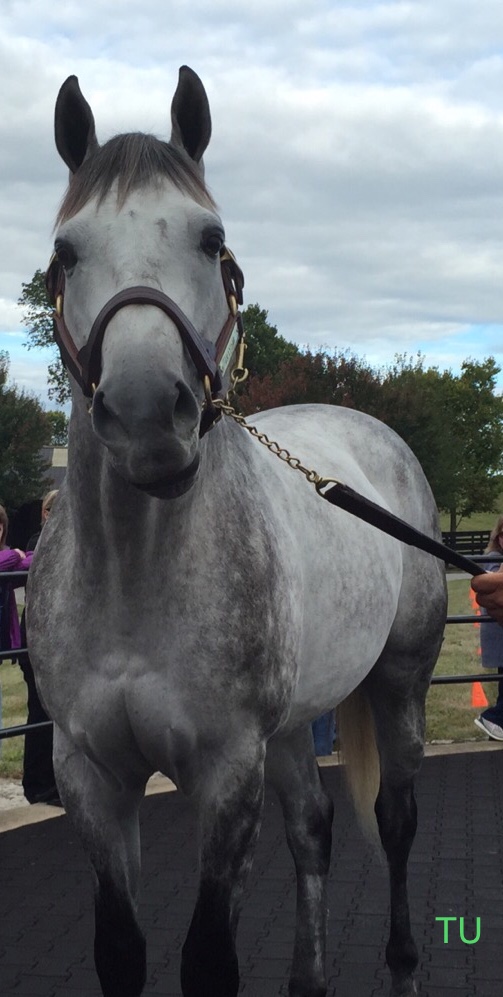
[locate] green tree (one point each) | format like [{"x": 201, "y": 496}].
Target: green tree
[
  {"x": 453, "y": 424},
  {"x": 477, "y": 415},
  {"x": 265, "y": 348},
  {"x": 57, "y": 428},
  {"x": 37, "y": 317},
  {"x": 4, "y": 367},
  {"x": 23, "y": 431}
]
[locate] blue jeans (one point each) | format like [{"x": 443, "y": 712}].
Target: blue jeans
[
  {"x": 324, "y": 733},
  {"x": 495, "y": 713}
]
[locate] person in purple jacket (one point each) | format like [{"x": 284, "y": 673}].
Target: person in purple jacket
[{"x": 10, "y": 560}]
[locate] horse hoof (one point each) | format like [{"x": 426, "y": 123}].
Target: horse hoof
[
  {"x": 296, "y": 988},
  {"x": 405, "y": 989}
]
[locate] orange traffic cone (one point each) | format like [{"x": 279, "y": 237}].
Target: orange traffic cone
[{"x": 478, "y": 695}]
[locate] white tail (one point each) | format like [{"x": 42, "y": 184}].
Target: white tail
[{"x": 355, "y": 728}]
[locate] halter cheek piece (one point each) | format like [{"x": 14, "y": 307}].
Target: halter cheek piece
[{"x": 210, "y": 360}]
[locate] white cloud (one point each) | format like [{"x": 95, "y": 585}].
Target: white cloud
[{"x": 9, "y": 315}]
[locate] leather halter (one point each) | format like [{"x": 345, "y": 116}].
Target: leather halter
[{"x": 210, "y": 360}]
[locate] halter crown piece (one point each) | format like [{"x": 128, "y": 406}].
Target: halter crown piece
[{"x": 211, "y": 360}]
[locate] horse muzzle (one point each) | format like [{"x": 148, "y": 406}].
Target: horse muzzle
[{"x": 152, "y": 434}]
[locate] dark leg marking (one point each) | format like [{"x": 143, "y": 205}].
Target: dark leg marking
[
  {"x": 231, "y": 826},
  {"x": 119, "y": 945},
  {"x": 396, "y": 814},
  {"x": 209, "y": 961}
]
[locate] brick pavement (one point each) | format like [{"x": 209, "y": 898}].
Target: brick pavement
[{"x": 456, "y": 869}]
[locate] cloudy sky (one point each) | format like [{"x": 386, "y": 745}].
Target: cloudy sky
[{"x": 357, "y": 155}]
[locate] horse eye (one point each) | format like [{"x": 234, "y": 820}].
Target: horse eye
[
  {"x": 212, "y": 243},
  {"x": 66, "y": 255}
]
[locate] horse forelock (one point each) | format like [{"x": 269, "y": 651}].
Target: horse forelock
[{"x": 134, "y": 160}]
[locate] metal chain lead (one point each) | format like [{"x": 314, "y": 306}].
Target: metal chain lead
[{"x": 224, "y": 405}]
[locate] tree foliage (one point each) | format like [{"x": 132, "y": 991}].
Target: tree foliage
[
  {"x": 57, "y": 423},
  {"x": 265, "y": 348},
  {"x": 37, "y": 317},
  {"x": 23, "y": 431},
  {"x": 453, "y": 424},
  {"x": 335, "y": 378}
]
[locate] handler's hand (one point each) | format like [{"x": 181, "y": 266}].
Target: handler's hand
[{"x": 489, "y": 591}]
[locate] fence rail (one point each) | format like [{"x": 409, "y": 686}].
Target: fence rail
[
  {"x": 22, "y": 729},
  {"x": 467, "y": 541}
]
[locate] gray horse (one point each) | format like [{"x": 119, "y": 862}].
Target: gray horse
[{"x": 193, "y": 604}]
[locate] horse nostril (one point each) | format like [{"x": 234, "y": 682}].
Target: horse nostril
[
  {"x": 185, "y": 413},
  {"x": 99, "y": 411},
  {"x": 171, "y": 408},
  {"x": 106, "y": 422}
]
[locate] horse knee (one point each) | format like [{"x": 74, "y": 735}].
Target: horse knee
[{"x": 309, "y": 832}]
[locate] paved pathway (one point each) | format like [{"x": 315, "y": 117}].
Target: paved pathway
[{"x": 456, "y": 870}]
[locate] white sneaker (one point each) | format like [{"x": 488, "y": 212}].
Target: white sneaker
[{"x": 493, "y": 730}]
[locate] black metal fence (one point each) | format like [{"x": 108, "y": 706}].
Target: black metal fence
[
  {"x": 469, "y": 542},
  {"x": 22, "y": 729}
]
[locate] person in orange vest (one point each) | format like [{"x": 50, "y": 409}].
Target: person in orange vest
[{"x": 491, "y": 640}]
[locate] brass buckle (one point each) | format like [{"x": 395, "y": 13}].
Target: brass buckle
[
  {"x": 208, "y": 397},
  {"x": 322, "y": 483},
  {"x": 240, "y": 373},
  {"x": 227, "y": 254}
]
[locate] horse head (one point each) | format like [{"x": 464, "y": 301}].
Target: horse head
[{"x": 143, "y": 317}]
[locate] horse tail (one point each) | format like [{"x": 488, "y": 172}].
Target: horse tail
[{"x": 356, "y": 732}]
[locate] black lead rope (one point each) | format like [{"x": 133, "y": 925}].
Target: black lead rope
[{"x": 346, "y": 498}]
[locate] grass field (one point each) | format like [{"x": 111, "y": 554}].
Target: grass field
[
  {"x": 449, "y": 711},
  {"x": 13, "y": 713},
  {"x": 478, "y": 521}
]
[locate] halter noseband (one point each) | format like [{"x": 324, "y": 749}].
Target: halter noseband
[{"x": 210, "y": 360}]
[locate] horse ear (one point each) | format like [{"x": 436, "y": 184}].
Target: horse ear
[
  {"x": 190, "y": 115},
  {"x": 74, "y": 125}
]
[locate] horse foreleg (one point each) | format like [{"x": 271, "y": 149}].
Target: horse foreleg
[
  {"x": 308, "y": 813},
  {"x": 105, "y": 816},
  {"x": 231, "y": 810}
]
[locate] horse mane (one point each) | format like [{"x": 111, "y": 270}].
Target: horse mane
[{"x": 135, "y": 160}]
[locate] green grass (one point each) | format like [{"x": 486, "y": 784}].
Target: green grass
[
  {"x": 13, "y": 713},
  {"x": 478, "y": 521},
  {"x": 449, "y": 713}
]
